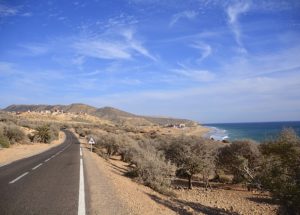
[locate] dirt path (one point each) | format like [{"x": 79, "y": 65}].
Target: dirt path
[
  {"x": 103, "y": 198},
  {"x": 112, "y": 193},
  {"x": 17, "y": 152}
]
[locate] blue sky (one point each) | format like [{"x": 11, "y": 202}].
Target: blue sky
[{"x": 207, "y": 60}]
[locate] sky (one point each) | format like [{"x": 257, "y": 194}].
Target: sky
[{"x": 206, "y": 60}]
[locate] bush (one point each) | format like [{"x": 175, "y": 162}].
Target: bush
[
  {"x": 4, "y": 142},
  {"x": 43, "y": 134},
  {"x": 13, "y": 133},
  {"x": 152, "y": 170},
  {"x": 240, "y": 158},
  {"x": 280, "y": 172},
  {"x": 82, "y": 132},
  {"x": 191, "y": 156},
  {"x": 54, "y": 132}
]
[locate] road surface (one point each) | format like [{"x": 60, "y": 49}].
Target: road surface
[{"x": 47, "y": 183}]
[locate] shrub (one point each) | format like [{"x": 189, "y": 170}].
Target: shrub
[
  {"x": 54, "y": 132},
  {"x": 13, "y": 133},
  {"x": 4, "y": 142},
  {"x": 43, "y": 134},
  {"x": 152, "y": 170},
  {"x": 280, "y": 172},
  {"x": 191, "y": 156},
  {"x": 240, "y": 158},
  {"x": 82, "y": 132}
]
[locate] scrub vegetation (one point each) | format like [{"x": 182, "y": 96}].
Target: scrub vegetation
[{"x": 158, "y": 161}]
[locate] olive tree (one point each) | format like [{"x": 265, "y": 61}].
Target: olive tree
[{"x": 191, "y": 156}]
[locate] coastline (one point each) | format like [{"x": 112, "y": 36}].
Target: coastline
[{"x": 258, "y": 131}]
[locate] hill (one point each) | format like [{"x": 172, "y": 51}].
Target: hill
[{"x": 108, "y": 113}]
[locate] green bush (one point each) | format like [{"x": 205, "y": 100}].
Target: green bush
[
  {"x": 240, "y": 158},
  {"x": 280, "y": 171},
  {"x": 152, "y": 170},
  {"x": 192, "y": 156},
  {"x": 54, "y": 132},
  {"x": 43, "y": 134},
  {"x": 13, "y": 133},
  {"x": 46, "y": 133},
  {"x": 4, "y": 142}
]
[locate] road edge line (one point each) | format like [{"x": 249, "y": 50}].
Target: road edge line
[{"x": 81, "y": 198}]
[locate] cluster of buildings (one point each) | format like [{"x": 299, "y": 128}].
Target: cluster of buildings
[{"x": 181, "y": 125}]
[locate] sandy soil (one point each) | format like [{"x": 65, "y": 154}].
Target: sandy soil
[
  {"x": 225, "y": 200},
  {"x": 192, "y": 131},
  {"x": 19, "y": 151}
]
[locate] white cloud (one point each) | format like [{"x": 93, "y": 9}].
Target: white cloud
[
  {"x": 98, "y": 48},
  {"x": 194, "y": 74},
  {"x": 34, "y": 49},
  {"x": 233, "y": 13},
  {"x": 27, "y": 14},
  {"x": 205, "y": 49},
  {"x": 8, "y": 10},
  {"x": 188, "y": 14},
  {"x": 79, "y": 60},
  {"x": 112, "y": 45}
]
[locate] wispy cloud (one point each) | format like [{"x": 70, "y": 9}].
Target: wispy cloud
[
  {"x": 8, "y": 10},
  {"x": 205, "y": 49},
  {"x": 188, "y": 14},
  {"x": 112, "y": 45},
  {"x": 98, "y": 48},
  {"x": 34, "y": 49},
  {"x": 6, "y": 68},
  {"x": 194, "y": 74},
  {"x": 233, "y": 13}
]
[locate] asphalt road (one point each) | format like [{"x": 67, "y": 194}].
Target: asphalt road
[{"x": 47, "y": 183}]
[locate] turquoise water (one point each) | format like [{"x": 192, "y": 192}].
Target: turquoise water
[{"x": 258, "y": 131}]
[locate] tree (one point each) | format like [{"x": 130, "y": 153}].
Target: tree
[
  {"x": 191, "y": 156},
  {"x": 240, "y": 158},
  {"x": 280, "y": 171}
]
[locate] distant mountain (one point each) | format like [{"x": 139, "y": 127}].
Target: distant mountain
[
  {"x": 73, "y": 108},
  {"x": 108, "y": 113}
]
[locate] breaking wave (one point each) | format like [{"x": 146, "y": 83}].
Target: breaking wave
[{"x": 216, "y": 133}]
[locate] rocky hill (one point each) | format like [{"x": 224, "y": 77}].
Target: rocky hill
[{"x": 108, "y": 113}]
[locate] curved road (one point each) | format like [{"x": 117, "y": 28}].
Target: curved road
[{"x": 47, "y": 183}]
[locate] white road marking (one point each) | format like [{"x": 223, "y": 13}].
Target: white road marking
[
  {"x": 47, "y": 159},
  {"x": 81, "y": 199},
  {"x": 37, "y": 166},
  {"x": 80, "y": 152},
  {"x": 16, "y": 179}
]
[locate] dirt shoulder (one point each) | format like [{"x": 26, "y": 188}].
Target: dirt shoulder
[
  {"x": 19, "y": 151},
  {"x": 112, "y": 193}
]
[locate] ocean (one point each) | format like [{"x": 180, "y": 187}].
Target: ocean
[{"x": 258, "y": 131}]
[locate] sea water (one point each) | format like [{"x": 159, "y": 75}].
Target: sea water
[{"x": 258, "y": 131}]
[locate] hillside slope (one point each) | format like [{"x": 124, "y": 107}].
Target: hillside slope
[{"x": 108, "y": 113}]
